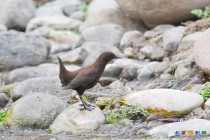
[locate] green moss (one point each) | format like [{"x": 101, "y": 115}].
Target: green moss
[
  {"x": 49, "y": 129},
  {"x": 125, "y": 113},
  {"x": 84, "y": 7}
]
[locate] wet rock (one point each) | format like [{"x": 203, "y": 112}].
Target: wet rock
[
  {"x": 50, "y": 85},
  {"x": 160, "y": 12},
  {"x": 3, "y": 99},
  {"x": 129, "y": 73},
  {"x": 42, "y": 70},
  {"x": 105, "y": 12},
  {"x": 145, "y": 73},
  {"x": 153, "y": 52},
  {"x": 79, "y": 15},
  {"x": 173, "y": 102},
  {"x": 55, "y": 8},
  {"x": 128, "y": 37},
  {"x": 13, "y": 17},
  {"x": 201, "y": 49},
  {"x": 35, "y": 110},
  {"x": 112, "y": 70},
  {"x": 107, "y": 34},
  {"x": 76, "y": 121},
  {"x": 174, "y": 129},
  {"x": 18, "y": 50},
  {"x": 172, "y": 38},
  {"x": 55, "y": 22}
]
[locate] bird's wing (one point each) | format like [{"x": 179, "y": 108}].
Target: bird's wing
[{"x": 83, "y": 79}]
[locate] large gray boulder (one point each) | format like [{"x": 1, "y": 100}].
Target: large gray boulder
[
  {"x": 58, "y": 7},
  {"x": 43, "y": 70},
  {"x": 107, "y": 34},
  {"x": 35, "y": 110},
  {"x": 167, "y": 102},
  {"x": 108, "y": 11},
  {"x": 76, "y": 121},
  {"x": 18, "y": 50},
  {"x": 49, "y": 85},
  {"x": 157, "y": 12},
  {"x": 15, "y": 14}
]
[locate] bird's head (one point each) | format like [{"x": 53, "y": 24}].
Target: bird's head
[{"x": 107, "y": 56}]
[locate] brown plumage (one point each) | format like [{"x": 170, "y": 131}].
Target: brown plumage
[{"x": 86, "y": 77}]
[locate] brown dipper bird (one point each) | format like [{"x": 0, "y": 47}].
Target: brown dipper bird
[{"x": 86, "y": 77}]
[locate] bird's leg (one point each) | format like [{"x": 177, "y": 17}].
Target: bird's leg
[
  {"x": 89, "y": 108},
  {"x": 88, "y": 105}
]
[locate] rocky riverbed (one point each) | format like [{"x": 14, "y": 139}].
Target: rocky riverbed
[{"x": 164, "y": 66}]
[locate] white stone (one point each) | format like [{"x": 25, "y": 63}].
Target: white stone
[
  {"x": 166, "y": 102},
  {"x": 74, "y": 120},
  {"x": 168, "y": 130}
]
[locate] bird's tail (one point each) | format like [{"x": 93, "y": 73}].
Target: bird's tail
[{"x": 62, "y": 67}]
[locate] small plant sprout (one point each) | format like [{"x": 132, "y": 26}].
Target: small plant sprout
[
  {"x": 205, "y": 13},
  {"x": 205, "y": 91},
  {"x": 3, "y": 114}
]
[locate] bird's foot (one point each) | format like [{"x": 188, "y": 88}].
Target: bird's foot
[
  {"x": 87, "y": 108},
  {"x": 88, "y": 105}
]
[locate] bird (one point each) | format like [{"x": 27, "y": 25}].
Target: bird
[{"x": 85, "y": 77}]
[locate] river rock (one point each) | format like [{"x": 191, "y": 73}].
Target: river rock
[
  {"x": 50, "y": 85},
  {"x": 3, "y": 27},
  {"x": 166, "y": 102},
  {"x": 201, "y": 49},
  {"x": 159, "y": 29},
  {"x": 76, "y": 121},
  {"x": 108, "y": 11},
  {"x": 199, "y": 127},
  {"x": 55, "y": 8},
  {"x": 107, "y": 34},
  {"x": 145, "y": 73},
  {"x": 128, "y": 37},
  {"x": 124, "y": 62},
  {"x": 129, "y": 73},
  {"x": 153, "y": 52},
  {"x": 79, "y": 15},
  {"x": 161, "y": 11},
  {"x": 172, "y": 38},
  {"x": 64, "y": 37},
  {"x": 112, "y": 70},
  {"x": 3, "y": 99},
  {"x": 13, "y": 17},
  {"x": 35, "y": 110},
  {"x": 86, "y": 54},
  {"x": 42, "y": 70},
  {"x": 18, "y": 50},
  {"x": 55, "y": 22}
]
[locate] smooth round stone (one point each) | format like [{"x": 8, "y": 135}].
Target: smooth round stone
[{"x": 166, "y": 102}]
